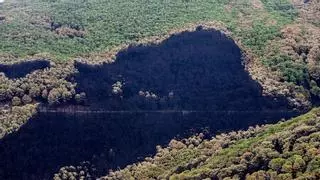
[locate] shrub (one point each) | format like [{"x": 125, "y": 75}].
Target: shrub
[
  {"x": 26, "y": 99},
  {"x": 315, "y": 89},
  {"x": 276, "y": 164},
  {"x": 291, "y": 71},
  {"x": 314, "y": 164},
  {"x": 54, "y": 96},
  {"x": 16, "y": 101},
  {"x": 80, "y": 98},
  {"x": 34, "y": 91}
]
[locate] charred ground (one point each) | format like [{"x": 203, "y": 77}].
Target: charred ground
[
  {"x": 21, "y": 69},
  {"x": 200, "y": 70},
  {"x": 191, "y": 82}
]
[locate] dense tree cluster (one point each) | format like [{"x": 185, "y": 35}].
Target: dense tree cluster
[
  {"x": 284, "y": 58},
  {"x": 43, "y": 85},
  {"x": 49, "y": 85},
  {"x": 298, "y": 58},
  {"x": 12, "y": 118},
  {"x": 287, "y": 150},
  {"x": 85, "y": 171},
  {"x": 309, "y": 10}
]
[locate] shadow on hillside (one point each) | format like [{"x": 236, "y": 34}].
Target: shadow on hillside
[
  {"x": 199, "y": 71},
  {"x": 51, "y": 141},
  {"x": 21, "y": 69}
]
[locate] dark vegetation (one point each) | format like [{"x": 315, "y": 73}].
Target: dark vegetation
[
  {"x": 106, "y": 141},
  {"x": 63, "y": 30},
  {"x": 21, "y": 69},
  {"x": 198, "y": 70},
  {"x": 284, "y": 151},
  {"x": 195, "y": 80}
]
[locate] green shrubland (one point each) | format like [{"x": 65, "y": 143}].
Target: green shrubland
[{"x": 66, "y": 29}]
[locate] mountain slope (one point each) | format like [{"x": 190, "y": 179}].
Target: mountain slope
[{"x": 287, "y": 150}]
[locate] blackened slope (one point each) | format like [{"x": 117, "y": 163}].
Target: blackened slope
[
  {"x": 50, "y": 141},
  {"x": 21, "y": 69},
  {"x": 198, "y": 70},
  {"x": 201, "y": 69},
  {"x": 286, "y": 150}
]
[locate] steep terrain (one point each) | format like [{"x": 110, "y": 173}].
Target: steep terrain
[
  {"x": 188, "y": 83},
  {"x": 279, "y": 42},
  {"x": 126, "y": 55},
  {"x": 287, "y": 150}
]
